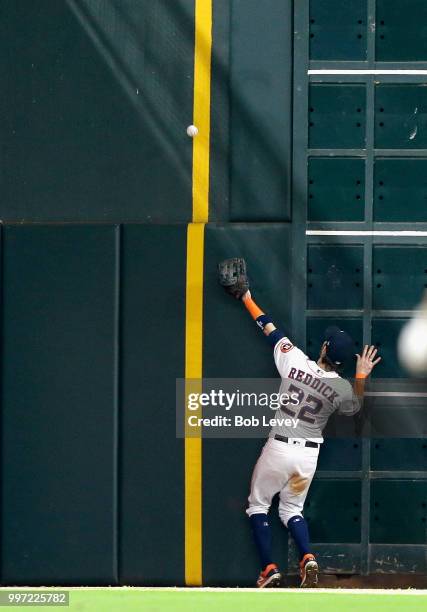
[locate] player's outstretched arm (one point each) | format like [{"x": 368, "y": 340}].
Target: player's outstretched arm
[
  {"x": 365, "y": 364},
  {"x": 263, "y": 320},
  {"x": 232, "y": 276}
]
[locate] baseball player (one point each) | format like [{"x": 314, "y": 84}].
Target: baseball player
[{"x": 288, "y": 460}]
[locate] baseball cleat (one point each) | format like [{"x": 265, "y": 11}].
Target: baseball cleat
[
  {"x": 270, "y": 577},
  {"x": 309, "y": 572}
]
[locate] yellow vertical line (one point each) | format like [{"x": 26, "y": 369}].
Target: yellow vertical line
[
  {"x": 194, "y": 289},
  {"x": 202, "y": 109},
  {"x": 193, "y": 372}
]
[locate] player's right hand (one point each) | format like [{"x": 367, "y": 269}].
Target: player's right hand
[{"x": 366, "y": 361}]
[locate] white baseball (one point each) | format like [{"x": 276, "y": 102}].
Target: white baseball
[
  {"x": 412, "y": 343},
  {"x": 192, "y": 131}
]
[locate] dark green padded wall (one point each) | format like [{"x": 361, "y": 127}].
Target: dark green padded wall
[
  {"x": 385, "y": 333},
  {"x": 337, "y": 116},
  {"x": 404, "y": 267},
  {"x": 407, "y": 498},
  {"x": 220, "y": 153},
  {"x": 336, "y": 189},
  {"x": 98, "y": 96},
  {"x": 400, "y": 190},
  {"x": 400, "y": 116},
  {"x": 335, "y": 276},
  {"x": 260, "y": 137},
  {"x": 401, "y": 32},
  {"x": 59, "y": 405},
  {"x": 228, "y": 464},
  {"x": 338, "y": 29},
  {"x": 366, "y": 172},
  {"x": 96, "y": 100},
  {"x": 333, "y": 511},
  {"x": 123, "y": 397},
  {"x": 395, "y": 454},
  {"x": 340, "y": 454},
  {"x": 151, "y": 525}
]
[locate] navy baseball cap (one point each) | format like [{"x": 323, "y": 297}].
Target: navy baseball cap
[{"x": 340, "y": 346}]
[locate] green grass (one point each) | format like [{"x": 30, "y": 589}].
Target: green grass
[{"x": 199, "y": 600}]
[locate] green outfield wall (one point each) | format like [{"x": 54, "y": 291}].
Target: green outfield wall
[{"x": 97, "y": 194}]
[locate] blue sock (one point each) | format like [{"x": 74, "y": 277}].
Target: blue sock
[
  {"x": 262, "y": 537},
  {"x": 298, "y": 527}
]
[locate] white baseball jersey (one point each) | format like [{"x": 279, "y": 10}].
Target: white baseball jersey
[
  {"x": 319, "y": 394},
  {"x": 315, "y": 394}
]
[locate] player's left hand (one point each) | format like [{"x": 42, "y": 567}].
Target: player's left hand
[{"x": 366, "y": 361}]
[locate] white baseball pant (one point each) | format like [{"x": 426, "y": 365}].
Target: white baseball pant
[{"x": 274, "y": 472}]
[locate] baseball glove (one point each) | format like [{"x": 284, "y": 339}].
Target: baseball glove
[{"x": 232, "y": 276}]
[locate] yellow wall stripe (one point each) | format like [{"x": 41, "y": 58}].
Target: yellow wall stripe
[
  {"x": 194, "y": 290},
  {"x": 202, "y": 109},
  {"x": 194, "y": 300},
  {"x": 193, "y": 370}
]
